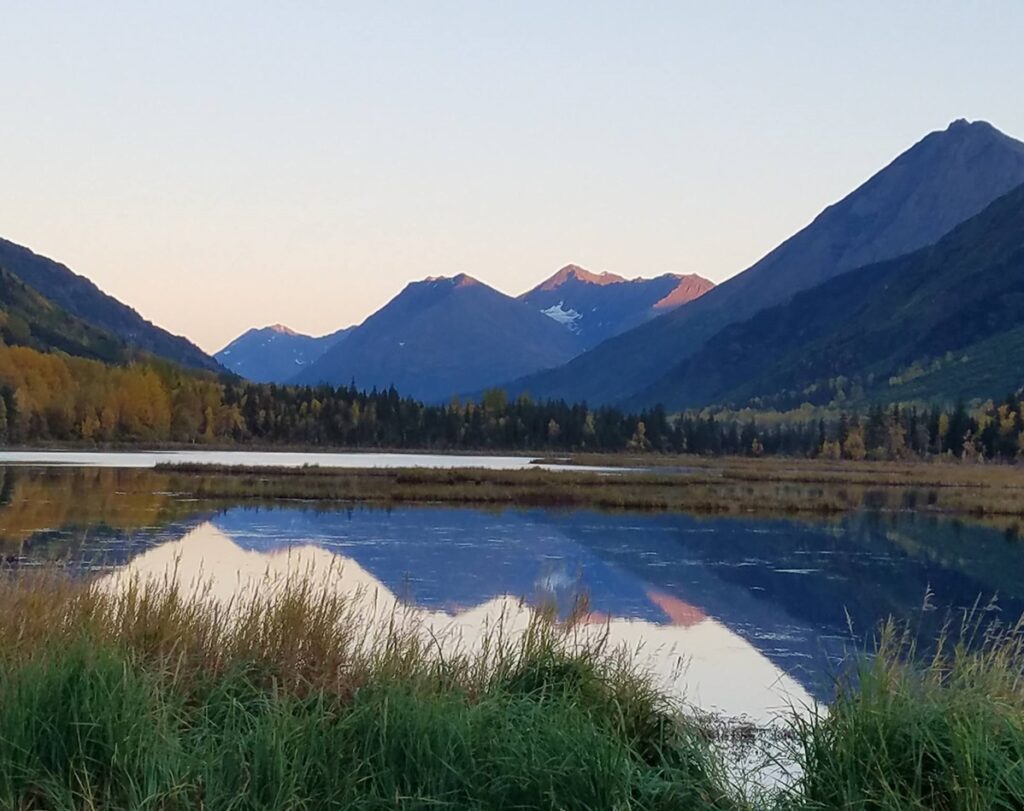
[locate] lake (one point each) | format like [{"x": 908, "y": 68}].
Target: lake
[
  {"x": 739, "y": 616},
  {"x": 150, "y": 459}
]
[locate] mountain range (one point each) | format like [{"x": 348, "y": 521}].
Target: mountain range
[
  {"x": 674, "y": 339},
  {"x": 444, "y": 336},
  {"x": 943, "y": 180},
  {"x": 909, "y": 287}
]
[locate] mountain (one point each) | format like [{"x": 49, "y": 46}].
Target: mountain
[
  {"x": 925, "y": 323},
  {"x": 274, "y": 354},
  {"x": 445, "y": 336},
  {"x": 81, "y": 298},
  {"x": 943, "y": 180},
  {"x": 29, "y": 319},
  {"x": 596, "y": 307}
]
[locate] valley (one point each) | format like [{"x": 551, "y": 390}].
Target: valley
[
  {"x": 811, "y": 468},
  {"x": 512, "y": 407}
]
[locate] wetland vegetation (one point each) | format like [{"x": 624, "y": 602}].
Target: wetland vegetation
[
  {"x": 151, "y": 697},
  {"x": 167, "y": 699},
  {"x": 684, "y": 484}
]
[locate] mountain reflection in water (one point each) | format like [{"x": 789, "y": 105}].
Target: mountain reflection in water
[
  {"x": 759, "y": 610},
  {"x": 690, "y": 654}
]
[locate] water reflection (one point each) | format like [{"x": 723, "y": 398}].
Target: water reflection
[
  {"x": 690, "y": 654},
  {"x": 150, "y": 459},
  {"x": 761, "y": 609}
]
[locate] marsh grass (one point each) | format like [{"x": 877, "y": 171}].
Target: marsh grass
[
  {"x": 943, "y": 732},
  {"x": 151, "y": 697},
  {"x": 714, "y": 487},
  {"x": 147, "y": 695}
]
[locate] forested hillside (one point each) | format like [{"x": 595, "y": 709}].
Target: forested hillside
[
  {"x": 28, "y": 319},
  {"x": 81, "y": 298}
]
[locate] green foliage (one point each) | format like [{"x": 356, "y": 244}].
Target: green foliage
[
  {"x": 943, "y": 735},
  {"x": 151, "y": 698},
  {"x": 28, "y": 319},
  {"x": 148, "y": 700},
  {"x": 57, "y": 397}
]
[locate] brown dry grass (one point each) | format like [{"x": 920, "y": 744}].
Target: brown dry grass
[{"x": 722, "y": 486}]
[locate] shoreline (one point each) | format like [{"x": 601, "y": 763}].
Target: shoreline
[{"x": 716, "y": 490}]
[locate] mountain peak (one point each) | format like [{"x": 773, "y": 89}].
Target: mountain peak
[
  {"x": 273, "y": 354},
  {"x": 689, "y": 286},
  {"x": 464, "y": 280},
  {"x": 459, "y": 280},
  {"x": 445, "y": 336},
  {"x": 976, "y": 135},
  {"x": 944, "y": 179},
  {"x": 963, "y": 125},
  {"x": 575, "y": 272}
]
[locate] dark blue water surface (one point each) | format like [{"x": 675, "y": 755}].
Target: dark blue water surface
[{"x": 800, "y": 592}]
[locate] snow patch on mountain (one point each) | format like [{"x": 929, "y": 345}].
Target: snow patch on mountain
[{"x": 565, "y": 317}]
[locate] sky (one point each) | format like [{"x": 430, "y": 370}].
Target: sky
[{"x": 225, "y": 165}]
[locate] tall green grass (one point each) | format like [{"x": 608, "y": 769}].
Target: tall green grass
[
  {"x": 943, "y": 732},
  {"x": 151, "y": 698}
]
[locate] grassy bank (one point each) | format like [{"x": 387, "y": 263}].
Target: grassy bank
[
  {"x": 765, "y": 487},
  {"x": 151, "y": 698},
  {"x": 946, "y": 734}
]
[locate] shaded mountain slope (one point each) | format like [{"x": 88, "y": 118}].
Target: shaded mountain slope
[
  {"x": 944, "y": 179},
  {"x": 83, "y": 299},
  {"x": 442, "y": 337},
  {"x": 29, "y": 319},
  {"x": 274, "y": 354},
  {"x": 952, "y": 306}
]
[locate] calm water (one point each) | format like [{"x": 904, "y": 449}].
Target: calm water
[
  {"x": 739, "y": 616},
  {"x": 150, "y": 459}
]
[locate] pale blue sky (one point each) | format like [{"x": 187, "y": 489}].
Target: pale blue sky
[{"x": 224, "y": 165}]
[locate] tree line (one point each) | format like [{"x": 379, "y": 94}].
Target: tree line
[
  {"x": 58, "y": 398},
  {"x": 990, "y": 431}
]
